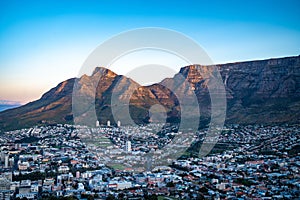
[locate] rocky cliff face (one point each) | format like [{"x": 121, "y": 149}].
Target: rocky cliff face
[
  {"x": 274, "y": 78},
  {"x": 266, "y": 91}
]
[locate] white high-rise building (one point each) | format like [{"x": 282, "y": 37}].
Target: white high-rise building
[
  {"x": 119, "y": 123},
  {"x": 128, "y": 146},
  {"x": 97, "y": 123},
  {"x": 6, "y": 163},
  {"x": 78, "y": 174},
  {"x": 11, "y": 161},
  {"x": 108, "y": 123}
]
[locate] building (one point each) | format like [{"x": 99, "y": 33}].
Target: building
[
  {"x": 34, "y": 188},
  {"x": 23, "y": 166},
  {"x": 25, "y": 190},
  {"x": 6, "y": 162},
  {"x": 81, "y": 187},
  {"x": 4, "y": 184},
  {"x": 63, "y": 169},
  {"x": 14, "y": 185},
  {"x": 3, "y": 154},
  {"x": 128, "y": 146},
  {"x": 121, "y": 185},
  {"x": 78, "y": 174},
  {"x": 221, "y": 186},
  {"x": 7, "y": 175},
  {"x": 5, "y": 194},
  {"x": 27, "y": 196},
  {"x": 11, "y": 162}
]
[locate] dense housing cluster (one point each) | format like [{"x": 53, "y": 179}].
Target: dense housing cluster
[{"x": 54, "y": 161}]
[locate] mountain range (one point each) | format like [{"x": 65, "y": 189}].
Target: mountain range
[
  {"x": 257, "y": 92},
  {"x": 6, "y": 104}
]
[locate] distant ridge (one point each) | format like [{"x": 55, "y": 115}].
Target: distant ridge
[
  {"x": 6, "y": 107},
  {"x": 264, "y": 92},
  {"x": 7, "y": 104}
]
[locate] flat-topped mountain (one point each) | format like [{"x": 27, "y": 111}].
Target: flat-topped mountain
[{"x": 264, "y": 92}]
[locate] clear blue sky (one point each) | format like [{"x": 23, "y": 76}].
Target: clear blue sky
[{"x": 45, "y": 42}]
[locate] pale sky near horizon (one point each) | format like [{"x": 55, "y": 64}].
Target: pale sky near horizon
[{"x": 45, "y": 42}]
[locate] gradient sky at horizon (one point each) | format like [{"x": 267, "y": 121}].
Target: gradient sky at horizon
[{"x": 45, "y": 42}]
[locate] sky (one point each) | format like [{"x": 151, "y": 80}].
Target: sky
[{"x": 45, "y": 42}]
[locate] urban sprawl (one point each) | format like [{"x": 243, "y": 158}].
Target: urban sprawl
[{"x": 72, "y": 162}]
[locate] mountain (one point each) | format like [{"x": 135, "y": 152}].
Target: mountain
[
  {"x": 6, "y": 104},
  {"x": 266, "y": 91},
  {"x": 263, "y": 91},
  {"x": 98, "y": 88},
  {"x": 53, "y": 106}
]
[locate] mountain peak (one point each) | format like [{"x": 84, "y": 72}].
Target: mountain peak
[
  {"x": 103, "y": 71},
  {"x": 193, "y": 72}
]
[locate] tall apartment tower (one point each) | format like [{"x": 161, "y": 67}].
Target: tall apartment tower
[
  {"x": 6, "y": 162},
  {"x": 128, "y": 146}
]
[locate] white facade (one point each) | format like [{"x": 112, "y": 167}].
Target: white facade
[
  {"x": 128, "y": 146},
  {"x": 6, "y": 163},
  {"x": 63, "y": 169},
  {"x": 123, "y": 185}
]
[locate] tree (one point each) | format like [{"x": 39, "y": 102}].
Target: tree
[
  {"x": 121, "y": 195},
  {"x": 110, "y": 197},
  {"x": 151, "y": 197},
  {"x": 170, "y": 184}
]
